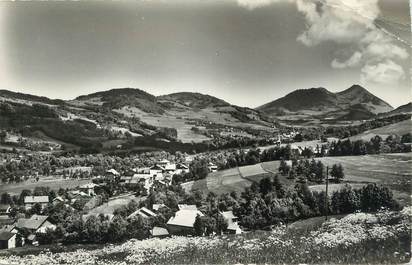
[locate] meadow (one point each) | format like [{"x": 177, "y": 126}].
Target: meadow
[
  {"x": 399, "y": 128},
  {"x": 392, "y": 170},
  {"x": 360, "y": 238},
  {"x": 54, "y": 183}
]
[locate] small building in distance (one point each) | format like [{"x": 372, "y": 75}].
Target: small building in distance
[
  {"x": 30, "y": 201},
  {"x": 183, "y": 221},
  {"x": 143, "y": 212},
  {"x": 212, "y": 167},
  {"x": 232, "y": 223},
  {"x": 7, "y": 240},
  {"x": 88, "y": 188}
]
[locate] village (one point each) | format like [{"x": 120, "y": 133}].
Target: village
[{"x": 23, "y": 222}]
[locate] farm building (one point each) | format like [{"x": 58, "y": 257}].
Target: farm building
[
  {"x": 183, "y": 221},
  {"x": 29, "y": 201},
  {"x": 159, "y": 232},
  {"x": 88, "y": 188},
  {"x": 7, "y": 240},
  {"x": 143, "y": 212},
  {"x": 232, "y": 225},
  {"x": 35, "y": 224}
]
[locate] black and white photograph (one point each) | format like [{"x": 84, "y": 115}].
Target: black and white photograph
[{"x": 205, "y": 132}]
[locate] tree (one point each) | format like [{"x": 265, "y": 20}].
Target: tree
[
  {"x": 265, "y": 186},
  {"x": 199, "y": 226},
  {"x": 283, "y": 167},
  {"x": 337, "y": 172}
]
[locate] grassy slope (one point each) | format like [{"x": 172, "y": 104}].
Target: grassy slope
[
  {"x": 393, "y": 170},
  {"x": 399, "y": 128}
]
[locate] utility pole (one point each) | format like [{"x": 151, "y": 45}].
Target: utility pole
[{"x": 327, "y": 197}]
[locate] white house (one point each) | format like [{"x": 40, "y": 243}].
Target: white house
[
  {"x": 232, "y": 223},
  {"x": 183, "y": 221},
  {"x": 29, "y": 201},
  {"x": 89, "y": 188}
]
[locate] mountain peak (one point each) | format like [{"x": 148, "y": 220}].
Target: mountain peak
[
  {"x": 323, "y": 101},
  {"x": 355, "y": 89}
]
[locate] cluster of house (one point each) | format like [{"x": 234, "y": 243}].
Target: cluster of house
[
  {"x": 162, "y": 172},
  {"x": 21, "y": 231},
  {"x": 182, "y": 223}
]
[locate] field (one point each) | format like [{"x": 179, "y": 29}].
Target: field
[
  {"x": 54, "y": 183},
  {"x": 360, "y": 238},
  {"x": 392, "y": 170},
  {"x": 113, "y": 204},
  {"x": 179, "y": 118},
  {"x": 399, "y": 128}
]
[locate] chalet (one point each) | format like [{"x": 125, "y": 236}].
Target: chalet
[
  {"x": 35, "y": 224},
  {"x": 5, "y": 209},
  {"x": 111, "y": 175},
  {"x": 88, "y": 188},
  {"x": 29, "y": 201},
  {"x": 159, "y": 232},
  {"x": 7, "y": 240},
  {"x": 183, "y": 221},
  {"x": 232, "y": 223},
  {"x": 143, "y": 212}
]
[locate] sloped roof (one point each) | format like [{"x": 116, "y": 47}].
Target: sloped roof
[
  {"x": 187, "y": 207},
  {"x": 32, "y": 223},
  {"x": 184, "y": 218},
  {"x": 6, "y": 235},
  {"x": 36, "y": 199},
  {"x": 157, "y": 206},
  {"x": 181, "y": 166},
  {"x": 159, "y": 231},
  {"x": 89, "y": 186},
  {"x": 144, "y": 212},
  {"x": 228, "y": 215},
  {"x": 113, "y": 171}
]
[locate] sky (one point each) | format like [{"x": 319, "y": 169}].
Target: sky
[{"x": 247, "y": 52}]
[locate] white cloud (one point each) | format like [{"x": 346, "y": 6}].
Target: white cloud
[
  {"x": 252, "y": 4},
  {"x": 353, "y": 61},
  {"x": 348, "y": 22},
  {"x": 386, "y": 72}
]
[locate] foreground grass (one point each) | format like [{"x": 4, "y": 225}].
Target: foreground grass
[{"x": 381, "y": 238}]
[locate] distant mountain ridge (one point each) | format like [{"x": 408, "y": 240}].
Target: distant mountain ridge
[{"x": 353, "y": 103}]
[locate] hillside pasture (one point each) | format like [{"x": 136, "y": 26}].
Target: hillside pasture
[
  {"x": 399, "y": 128},
  {"x": 391, "y": 170}
]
